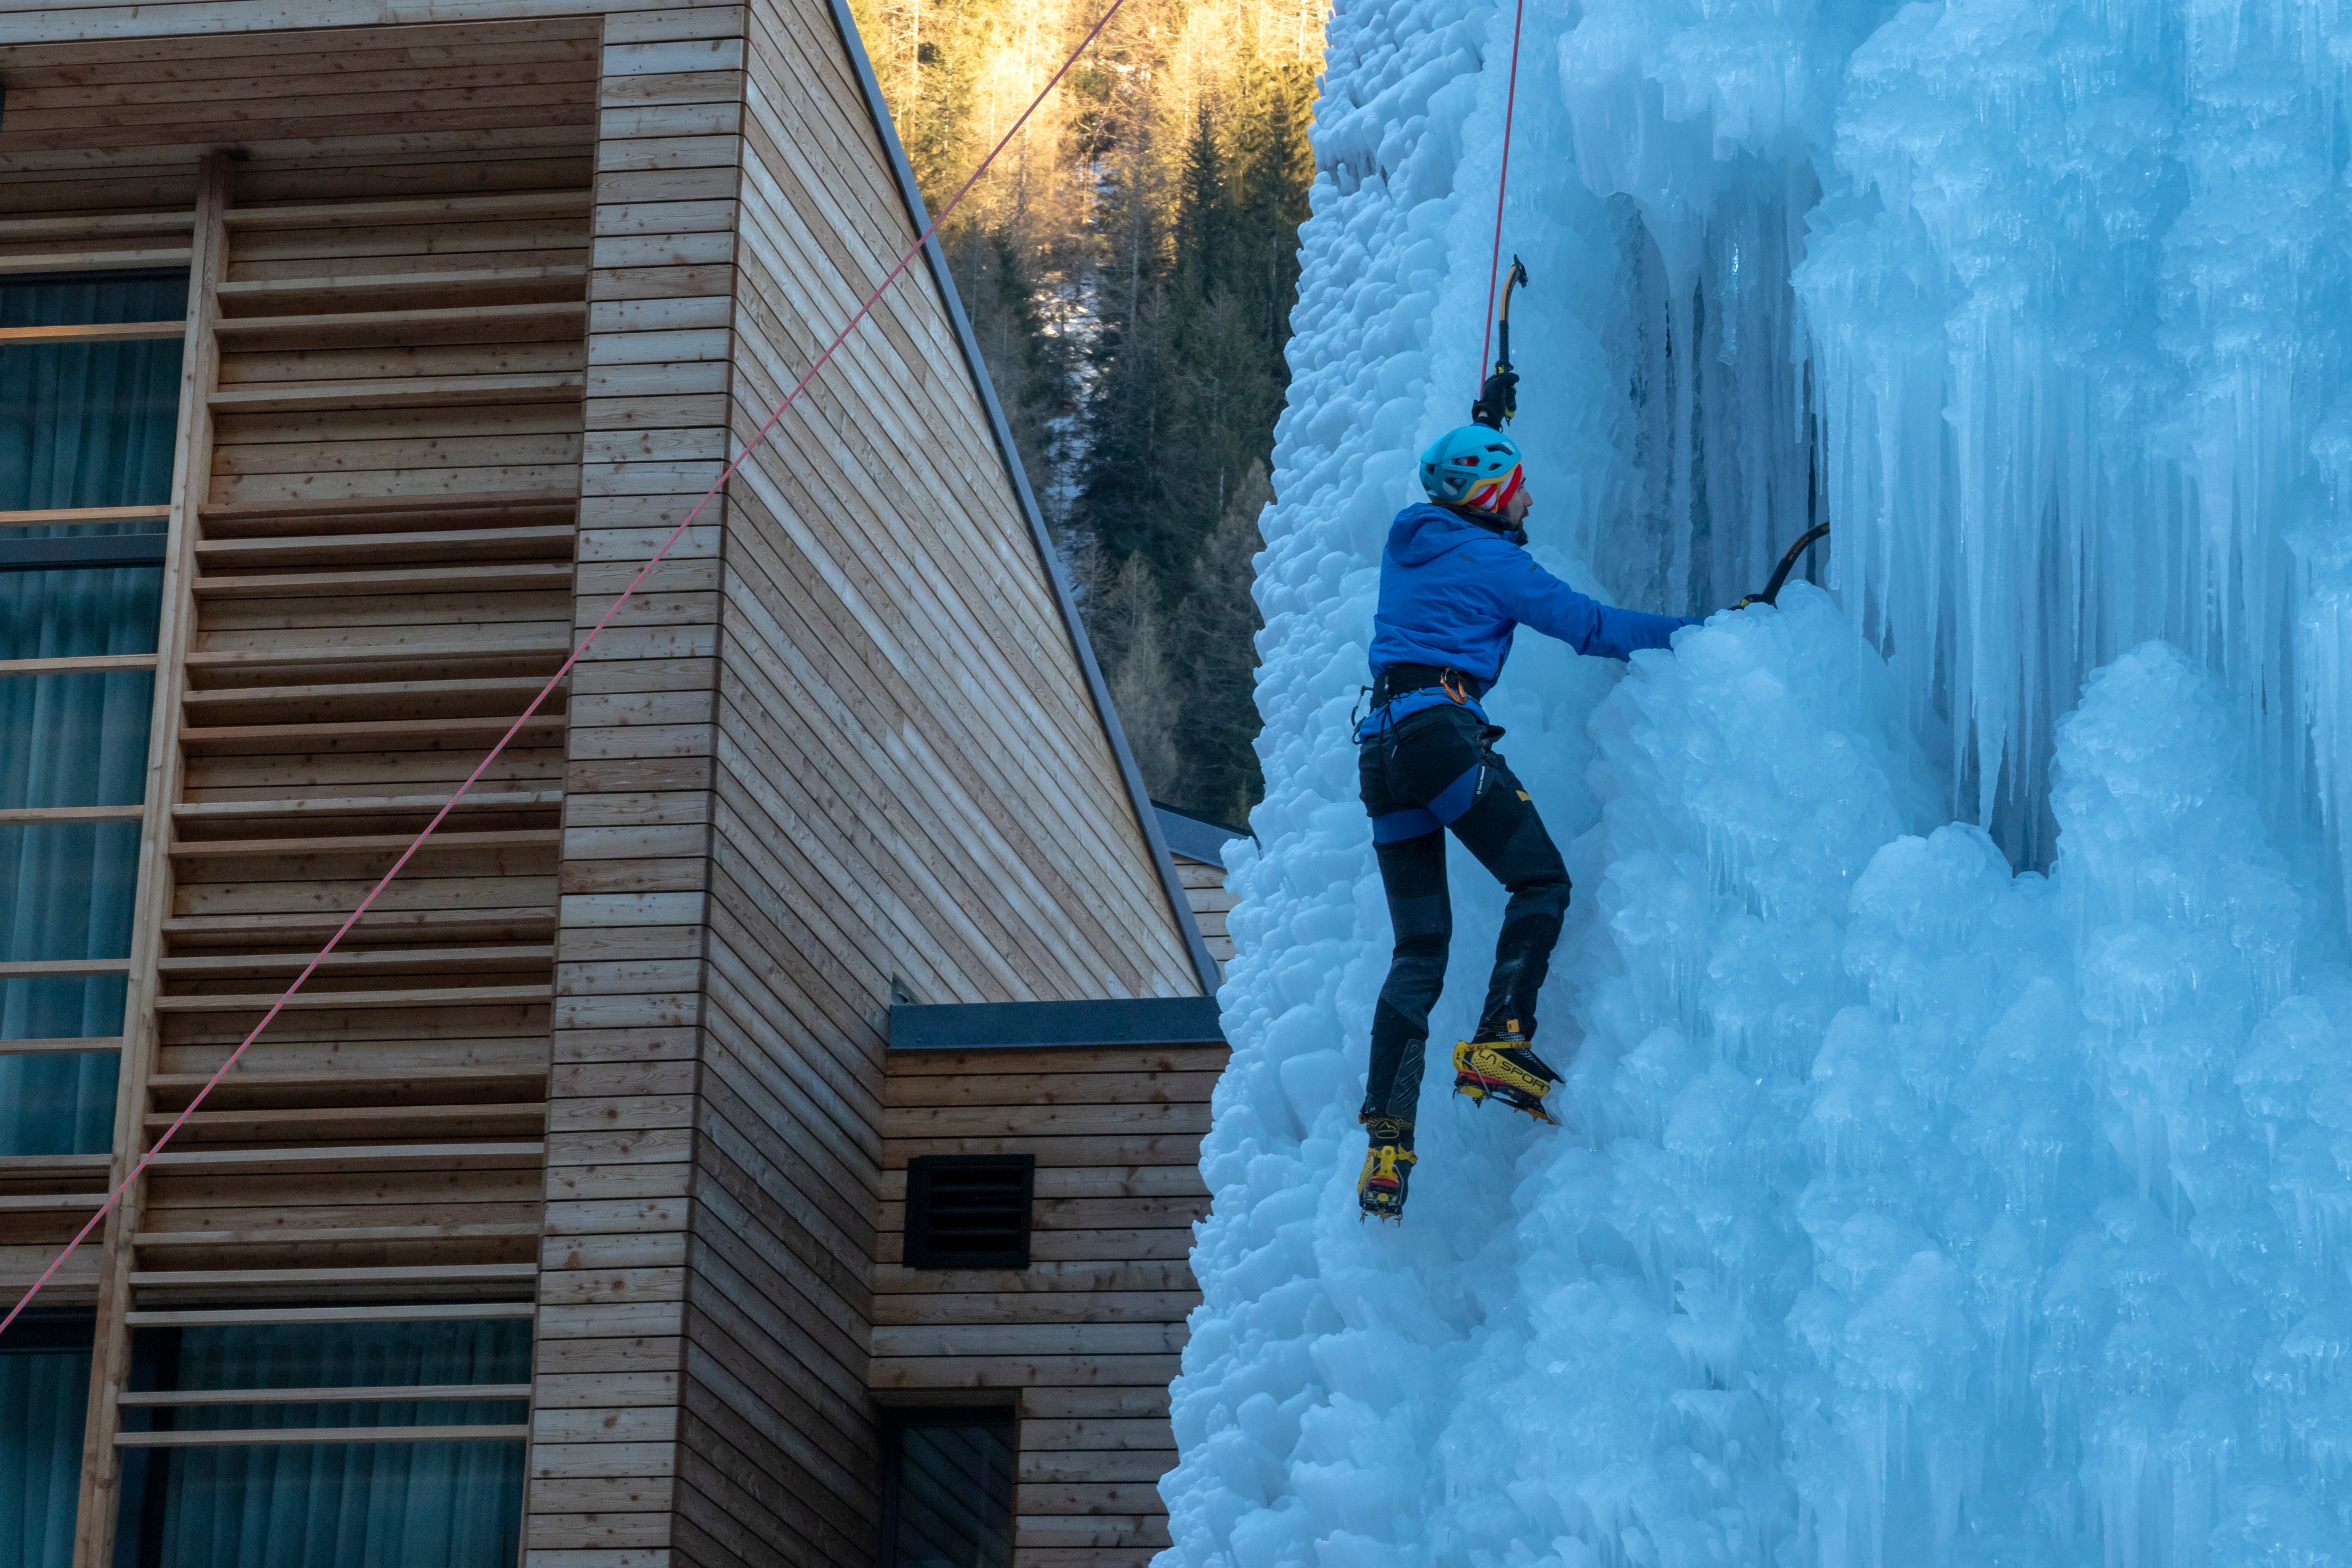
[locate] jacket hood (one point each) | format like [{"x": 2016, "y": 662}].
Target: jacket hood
[{"x": 1425, "y": 530}]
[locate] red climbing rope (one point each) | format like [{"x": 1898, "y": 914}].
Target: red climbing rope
[
  {"x": 644, "y": 571},
  {"x": 1495, "y": 262}
]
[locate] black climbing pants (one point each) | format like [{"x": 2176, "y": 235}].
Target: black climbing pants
[{"x": 1434, "y": 770}]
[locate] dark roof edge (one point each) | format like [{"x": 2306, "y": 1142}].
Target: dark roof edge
[
  {"x": 1193, "y": 836},
  {"x": 1204, "y": 964},
  {"x": 1009, "y": 1026}
]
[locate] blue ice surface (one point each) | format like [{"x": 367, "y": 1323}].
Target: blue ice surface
[{"x": 1957, "y": 1157}]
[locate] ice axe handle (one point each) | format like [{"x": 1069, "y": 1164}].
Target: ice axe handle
[
  {"x": 1517, "y": 277},
  {"x": 1771, "y": 594},
  {"x": 1498, "y": 398}
]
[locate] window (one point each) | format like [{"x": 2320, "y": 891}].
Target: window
[
  {"x": 44, "y": 1394},
  {"x": 89, "y": 385},
  {"x": 947, "y": 1489},
  {"x": 969, "y": 1211},
  {"x": 89, "y": 389},
  {"x": 323, "y": 1444}
]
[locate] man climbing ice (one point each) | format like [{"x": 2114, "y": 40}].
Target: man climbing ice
[{"x": 1455, "y": 581}]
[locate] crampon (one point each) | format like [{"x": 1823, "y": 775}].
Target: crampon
[
  {"x": 1503, "y": 1067},
  {"x": 1388, "y": 1166}
]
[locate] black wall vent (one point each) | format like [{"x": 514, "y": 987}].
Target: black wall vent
[{"x": 969, "y": 1211}]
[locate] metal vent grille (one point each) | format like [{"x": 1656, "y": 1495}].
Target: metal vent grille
[{"x": 969, "y": 1211}]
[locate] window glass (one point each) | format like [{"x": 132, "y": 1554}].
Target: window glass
[
  {"x": 44, "y": 1394},
  {"x": 88, "y": 423},
  {"x": 79, "y": 613},
  {"x": 75, "y": 739},
  {"x": 947, "y": 1489},
  {"x": 66, "y": 891},
  {"x": 83, "y": 299},
  {"x": 82, "y": 425},
  {"x": 62, "y": 1103},
  {"x": 343, "y": 1355},
  {"x": 429, "y": 1504}
]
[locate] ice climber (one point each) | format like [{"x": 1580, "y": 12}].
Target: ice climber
[{"x": 1457, "y": 582}]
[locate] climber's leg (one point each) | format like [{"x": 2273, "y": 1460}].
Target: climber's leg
[
  {"x": 1505, "y": 832},
  {"x": 1412, "y": 873},
  {"x": 1503, "y": 829},
  {"x": 1406, "y": 773}
]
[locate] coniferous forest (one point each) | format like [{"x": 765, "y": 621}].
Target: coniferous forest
[{"x": 1129, "y": 265}]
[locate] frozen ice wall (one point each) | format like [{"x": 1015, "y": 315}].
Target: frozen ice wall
[
  {"x": 1958, "y": 1157},
  {"x": 2078, "y": 306}
]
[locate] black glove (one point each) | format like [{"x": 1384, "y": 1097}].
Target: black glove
[{"x": 1498, "y": 400}]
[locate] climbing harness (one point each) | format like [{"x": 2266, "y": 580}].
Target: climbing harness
[
  {"x": 1457, "y": 797},
  {"x": 1508, "y": 406},
  {"x": 1771, "y": 594},
  {"x": 759, "y": 438}
]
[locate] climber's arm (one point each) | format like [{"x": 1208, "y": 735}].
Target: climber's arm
[{"x": 1537, "y": 599}]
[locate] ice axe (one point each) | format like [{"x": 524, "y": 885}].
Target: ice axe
[
  {"x": 1498, "y": 399},
  {"x": 1771, "y": 594}
]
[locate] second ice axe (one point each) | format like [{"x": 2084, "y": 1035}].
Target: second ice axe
[{"x": 1771, "y": 594}]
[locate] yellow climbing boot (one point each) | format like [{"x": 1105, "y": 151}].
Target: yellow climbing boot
[
  {"x": 1388, "y": 1165},
  {"x": 1503, "y": 1065}
]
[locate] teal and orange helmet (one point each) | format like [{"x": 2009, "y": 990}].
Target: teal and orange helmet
[{"x": 1473, "y": 467}]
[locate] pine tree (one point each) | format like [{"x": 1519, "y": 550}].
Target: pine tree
[{"x": 1129, "y": 269}]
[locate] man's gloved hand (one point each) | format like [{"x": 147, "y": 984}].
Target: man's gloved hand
[
  {"x": 1498, "y": 400},
  {"x": 1747, "y": 599}
]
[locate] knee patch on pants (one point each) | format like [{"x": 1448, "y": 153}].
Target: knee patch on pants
[{"x": 1543, "y": 896}]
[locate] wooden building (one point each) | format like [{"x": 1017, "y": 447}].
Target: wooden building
[
  {"x": 1196, "y": 847},
  {"x": 353, "y": 354}
]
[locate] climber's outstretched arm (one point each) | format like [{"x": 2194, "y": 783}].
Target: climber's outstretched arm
[{"x": 1540, "y": 600}]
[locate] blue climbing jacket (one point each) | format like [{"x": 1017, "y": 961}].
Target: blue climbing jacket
[{"x": 1452, "y": 592}]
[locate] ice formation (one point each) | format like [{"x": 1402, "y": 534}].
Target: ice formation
[{"x": 1958, "y": 1157}]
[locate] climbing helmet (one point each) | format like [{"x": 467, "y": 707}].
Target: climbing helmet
[{"x": 1473, "y": 467}]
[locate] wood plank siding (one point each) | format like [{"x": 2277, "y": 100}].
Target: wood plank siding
[
  {"x": 633, "y": 938},
  {"x": 485, "y": 297},
  {"x": 1205, "y": 894},
  {"x": 1196, "y": 850},
  {"x": 1083, "y": 1342}
]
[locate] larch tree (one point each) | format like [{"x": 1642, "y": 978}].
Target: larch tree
[{"x": 1129, "y": 265}]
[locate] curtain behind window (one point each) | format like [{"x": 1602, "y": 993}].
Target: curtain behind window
[
  {"x": 44, "y": 1392},
  {"x": 89, "y": 425},
  {"x": 66, "y": 889},
  {"x": 81, "y": 425},
  {"x": 298, "y": 1505}
]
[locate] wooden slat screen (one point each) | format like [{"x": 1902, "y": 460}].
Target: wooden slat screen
[{"x": 382, "y": 576}]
